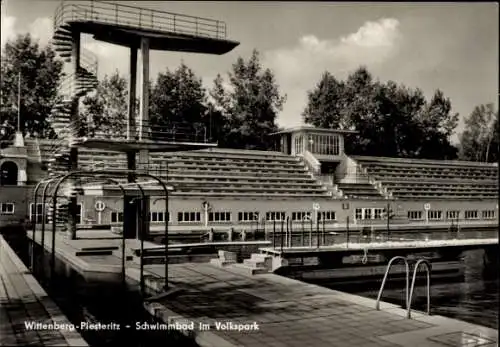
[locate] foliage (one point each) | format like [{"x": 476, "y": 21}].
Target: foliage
[
  {"x": 479, "y": 140},
  {"x": 105, "y": 111},
  {"x": 40, "y": 74},
  {"x": 390, "y": 119},
  {"x": 178, "y": 100},
  {"x": 247, "y": 109}
]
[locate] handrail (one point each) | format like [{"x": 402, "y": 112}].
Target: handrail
[
  {"x": 377, "y": 304},
  {"x": 428, "y": 269},
  {"x": 149, "y": 19}
]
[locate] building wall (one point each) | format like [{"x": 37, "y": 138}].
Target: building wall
[
  {"x": 18, "y": 195},
  {"x": 342, "y": 208}
]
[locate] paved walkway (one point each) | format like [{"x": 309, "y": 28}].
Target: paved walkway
[
  {"x": 23, "y": 301},
  {"x": 291, "y": 313}
]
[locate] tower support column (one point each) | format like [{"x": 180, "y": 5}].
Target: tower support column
[
  {"x": 73, "y": 150},
  {"x": 144, "y": 85}
]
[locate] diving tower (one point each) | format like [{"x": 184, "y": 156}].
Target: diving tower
[{"x": 141, "y": 30}]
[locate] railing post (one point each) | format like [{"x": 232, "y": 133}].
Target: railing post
[
  {"x": 116, "y": 13},
  {"x": 274, "y": 233},
  {"x": 311, "y": 233},
  {"x": 318, "y": 216},
  {"x": 324, "y": 234},
  {"x": 347, "y": 231},
  {"x": 174, "y": 22},
  {"x": 140, "y": 17},
  {"x": 303, "y": 236}
]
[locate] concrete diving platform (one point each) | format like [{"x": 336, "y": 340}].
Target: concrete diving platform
[{"x": 28, "y": 317}]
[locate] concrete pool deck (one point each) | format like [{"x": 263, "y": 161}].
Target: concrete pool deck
[
  {"x": 287, "y": 312},
  {"x": 23, "y": 301}
]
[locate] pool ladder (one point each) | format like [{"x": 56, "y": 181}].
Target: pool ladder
[{"x": 409, "y": 295}]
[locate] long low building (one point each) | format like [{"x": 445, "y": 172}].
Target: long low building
[{"x": 310, "y": 177}]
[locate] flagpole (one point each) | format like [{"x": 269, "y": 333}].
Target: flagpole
[{"x": 19, "y": 103}]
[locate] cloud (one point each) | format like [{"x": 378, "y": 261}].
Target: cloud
[
  {"x": 298, "y": 68},
  {"x": 110, "y": 57},
  {"x": 8, "y": 24},
  {"x": 42, "y": 29}
]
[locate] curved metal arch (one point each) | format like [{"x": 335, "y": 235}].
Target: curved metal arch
[
  {"x": 428, "y": 268},
  {"x": 156, "y": 178},
  {"x": 377, "y": 305},
  {"x": 123, "y": 235},
  {"x": 35, "y": 196},
  {"x": 34, "y": 222},
  {"x": 44, "y": 197},
  {"x": 54, "y": 210}
]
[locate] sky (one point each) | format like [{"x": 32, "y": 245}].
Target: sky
[{"x": 447, "y": 46}]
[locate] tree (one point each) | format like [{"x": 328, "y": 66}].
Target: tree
[
  {"x": 217, "y": 119},
  {"x": 479, "y": 140},
  {"x": 40, "y": 74},
  {"x": 249, "y": 107},
  {"x": 178, "y": 100},
  {"x": 390, "y": 119},
  {"x": 106, "y": 110}
]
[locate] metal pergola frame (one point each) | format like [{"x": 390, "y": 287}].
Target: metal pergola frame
[{"x": 60, "y": 179}]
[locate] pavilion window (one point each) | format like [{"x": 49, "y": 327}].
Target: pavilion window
[{"x": 472, "y": 214}]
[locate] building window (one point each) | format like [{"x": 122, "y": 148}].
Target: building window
[
  {"x": 7, "y": 208},
  {"x": 248, "y": 216},
  {"x": 377, "y": 213},
  {"x": 488, "y": 214},
  {"x": 415, "y": 215},
  {"x": 36, "y": 215},
  {"x": 79, "y": 212},
  {"x": 471, "y": 214},
  {"x": 336, "y": 145},
  {"x": 116, "y": 217},
  {"x": 328, "y": 215},
  {"x": 299, "y": 216},
  {"x": 275, "y": 216},
  {"x": 8, "y": 173},
  {"x": 452, "y": 214},
  {"x": 367, "y": 213},
  {"x": 158, "y": 217},
  {"x": 219, "y": 217},
  {"x": 358, "y": 214},
  {"x": 435, "y": 215},
  {"x": 189, "y": 217}
]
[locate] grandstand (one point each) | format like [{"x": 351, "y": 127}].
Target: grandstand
[
  {"x": 425, "y": 179},
  {"x": 245, "y": 186}
]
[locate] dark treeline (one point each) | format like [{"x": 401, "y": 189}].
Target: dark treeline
[{"x": 241, "y": 108}]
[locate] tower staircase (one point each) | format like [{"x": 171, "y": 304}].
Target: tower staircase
[{"x": 64, "y": 118}]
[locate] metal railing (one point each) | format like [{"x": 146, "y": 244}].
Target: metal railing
[
  {"x": 174, "y": 132},
  {"x": 408, "y": 290},
  {"x": 132, "y": 16}
]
